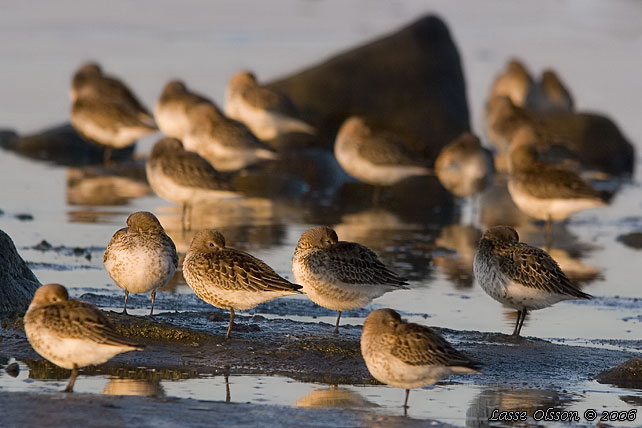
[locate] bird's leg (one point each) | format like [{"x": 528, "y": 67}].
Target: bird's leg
[
  {"x": 376, "y": 196},
  {"x": 107, "y": 156},
  {"x": 229, "y": 328},
  {"x": 151, "y": 312},
  {"x": 228, "y": 396},
  {"x": 405, "y": 403},
  {"x": 72, "y": 379},
  {"x": 124, "y": 312},
  {"x": 521, "y": 323},
  {"x": 336, "y": 326},
  {"x": 516, "y": 330}
]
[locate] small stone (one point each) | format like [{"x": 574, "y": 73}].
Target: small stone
[
  {"x": 13, "y": 370},
  {"x": 24, "y": 217}
]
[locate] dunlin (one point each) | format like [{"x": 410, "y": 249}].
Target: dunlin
[
  {"x": 547, "y": 192},
  {"x": 340, "y": 275},
  {"x": 549, "y": 94},
  {"x": 514, "y": 82},
  {"x": 70, "y": 333},
  {"x": 464, "y": 167},
  {"x": 519, "y": 275},
  {"x": 171, "y": 111},
  {"x": 183, "y": 177},
  {"x": 141, "y": 257},
  {"x": 228, "y": 278},
  {"x": 266, "y": 112},
  {"x": 226, "y": 143},
  {"x": 375, "y": 157},
  {"x": 105, "y": 111},
  {"x": 407, "y": 355}
]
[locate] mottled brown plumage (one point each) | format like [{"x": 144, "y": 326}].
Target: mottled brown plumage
[
  {"x": 407, "y": 355},
  {"x": 70, "y": 333},
  {"x": 520, "y": 275},
  {"x": 228, "y": 278},
  {"x": 340, "y": 275},
  {"x": 172, "y": 108},
  {"x": 141, "y": 257}
]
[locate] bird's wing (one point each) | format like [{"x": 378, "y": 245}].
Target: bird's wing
[
  {"x": 418, "y": 345},
  {"x": 190, "y": 169},
  {"x": 236, "y": 270},
  {"x": 553, "y": 182},
  {"x": 75, "y": 319},
  {"x": 384, "y": 148},
  {"x": 535, "y": 268},
  {"x": 353, "y": 263}
]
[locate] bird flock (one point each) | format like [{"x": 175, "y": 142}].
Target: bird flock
[{"x": 202, "y": 142}]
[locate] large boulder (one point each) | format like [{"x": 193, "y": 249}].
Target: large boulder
[
  {"x": 410, "y": 82},
  {"x": 626, "y": 375},
  {"x": 17, "y": 282}
]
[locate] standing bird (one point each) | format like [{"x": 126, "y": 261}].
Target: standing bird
[
  {"x": 171, "y": 110},
  {"x": 268, "y": 113},
  {"x": 70, "y": 333},
  {"x": 407, "y": 355},
  {"x": 184, "y": 177},
  {"x": 514, "y": 82},
  {"x": 375, "y": 157},
  {"x": 516, "y": 274},
  {"x": 228, "y": 278},
  {"x": 464, "y": 167},
  {"x": 340, "y": 275},
  {"x": 550, "y": 95},
  {"x": 105, "y": 111},
  {"x": 547, "y": 192},
  {"x": 141, "y": 257},
  {"x": 227, "y": 144}
]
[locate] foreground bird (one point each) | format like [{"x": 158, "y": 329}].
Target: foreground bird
[
  {"x": 464, "y": 167},
  {"x": 518, "y": 275},
  {"x": 227, "y": 144},
  {"x": 545, "y": 191},
  {"x": 340, "y": 275},
  {"x": 171, "y": 110},
  {"x": 228, "y": 278},
  {"x": 268, "y": 113},
  {"x": 106, "y": 111},
  {"x": 141, "y": 257},
  {"x": 407, "y": 355},
  {"x": 184, "y": 177},
  {"x": 374, "y": 156},
  {"x": 70, "y": 333}
]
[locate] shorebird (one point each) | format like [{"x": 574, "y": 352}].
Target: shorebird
[
  {"x": 549, "y": 94},
  {"x": 464, "y": 167},
  {"x": 171, "y": 110},
  {"x": 227, "y": 144},
  {"x": 70, "y": 333},
  {"x": 105, "y": 111},
  {"x": 545, "y": 191},
  {"x": 228, "y": 278},
  {"x": 340, "y": 275},
  {"x": 141, "y": 257},
  {"x": 374, "y": 156},
  {"x": 183, "y": 177},
  {"x": 407, "y": 355},
  {"x": 514, "y": 82},
  {"x": 268, "y": 113},
  {"x": 519, "y": 275}
]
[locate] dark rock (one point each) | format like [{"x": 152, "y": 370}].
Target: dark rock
[
  {"x": 633, "y": 240},
  {"x": 24, "y": 217},
  {"x": 626, "y": 375},
  {"x": 17, "y": 282},
  {"x": 13, "y": 370},
  {"x": 63, "y": 146},
  {"x": 410, "y": 83}
]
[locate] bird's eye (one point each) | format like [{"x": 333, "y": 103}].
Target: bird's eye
[{"x": 212, "y": 244}]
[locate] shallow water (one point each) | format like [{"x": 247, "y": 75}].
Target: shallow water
[{"x": 594, "y": 47}]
